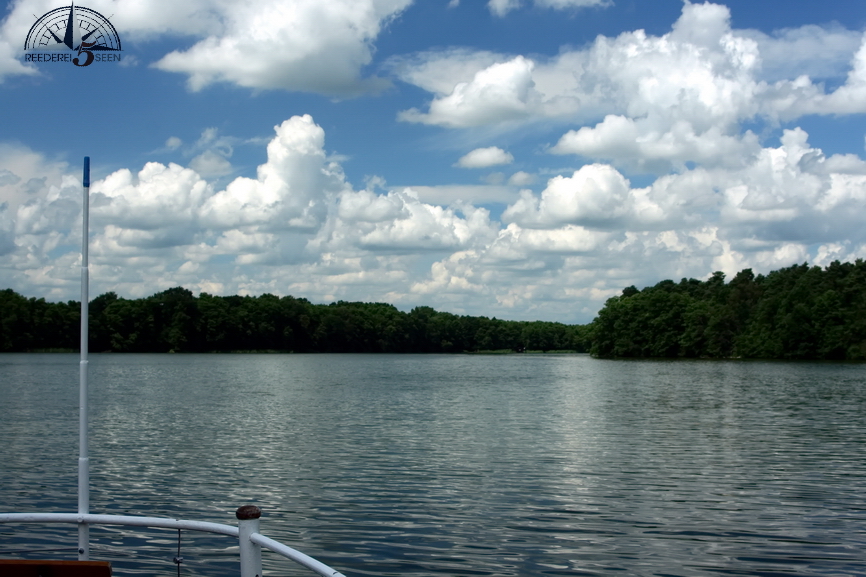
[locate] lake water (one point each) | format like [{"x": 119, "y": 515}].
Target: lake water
[{"x": 431, "y": 465}]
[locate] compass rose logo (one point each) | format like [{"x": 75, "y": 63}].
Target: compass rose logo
[{"x": 72, "y": 34}]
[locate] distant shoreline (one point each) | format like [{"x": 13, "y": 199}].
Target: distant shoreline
[{"x": 795, "y": 313}]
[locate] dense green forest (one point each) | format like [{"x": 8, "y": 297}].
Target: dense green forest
[
  {"x": 800, "y": 312},
  {"x": 176, "y": 320}
]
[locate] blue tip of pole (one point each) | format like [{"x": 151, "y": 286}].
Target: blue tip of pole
[{"x": 87, "y": 171}]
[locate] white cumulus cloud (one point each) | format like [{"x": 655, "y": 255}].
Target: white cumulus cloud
[
  {"x": 292, "y": 190},
  {"x": 634, "y": 143},
  {"x": 594, "y": 194},
  {"x": 306, "y": 45},
  {"x": 521, "y": 178},
  {"x": 501, "y": 92},
  {"x": 485, "y": 157}
]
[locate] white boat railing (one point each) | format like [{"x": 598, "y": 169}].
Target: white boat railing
[{"x": 247, "y": 533}]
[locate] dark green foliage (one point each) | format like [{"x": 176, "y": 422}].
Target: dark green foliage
[
  {"x": 799, "y": 312},
  {"x": 176, "y": 321},
  {"x": 32, "y": 324}
]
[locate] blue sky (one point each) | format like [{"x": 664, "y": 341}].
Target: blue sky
[{"x": 524, "y": 159}]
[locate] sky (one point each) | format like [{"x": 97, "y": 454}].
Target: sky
[{"x": 518, "y": 159}]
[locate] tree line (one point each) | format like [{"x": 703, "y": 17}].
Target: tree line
[
  {"x": 177, "y": 321},
  {"x": 799, "y": 312}
]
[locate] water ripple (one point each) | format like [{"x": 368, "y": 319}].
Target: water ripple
[{"x": 452, "y": 465}]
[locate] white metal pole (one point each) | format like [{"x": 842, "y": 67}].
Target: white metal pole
[
  {"x": 83, "y": 458},
  {"x": 251, "y": 553}
]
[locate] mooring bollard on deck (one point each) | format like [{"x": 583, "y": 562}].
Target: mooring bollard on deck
[{"x": 251, "y": 553}]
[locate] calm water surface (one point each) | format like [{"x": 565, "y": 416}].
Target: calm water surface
[{"x": 450, "y": 465}]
